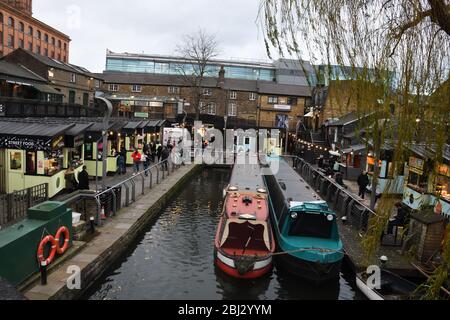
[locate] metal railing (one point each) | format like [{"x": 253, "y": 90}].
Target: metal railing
[
  {"x": 14, "y": 206},
  {"x": 343, "y": 202},
  {"x": 123, "y": 194}
]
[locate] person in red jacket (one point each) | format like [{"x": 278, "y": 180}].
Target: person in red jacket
[{"x": 136, "y": 161}]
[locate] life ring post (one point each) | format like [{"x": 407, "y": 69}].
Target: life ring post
[{"x": 43, "y": 269}]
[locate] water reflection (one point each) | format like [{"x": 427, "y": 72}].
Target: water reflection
[{"x": 174, "y": 258}]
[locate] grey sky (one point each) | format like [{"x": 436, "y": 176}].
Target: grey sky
[{"x": 151, "y": 26}]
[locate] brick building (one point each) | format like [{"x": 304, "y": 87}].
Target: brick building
[
  {"x": 19, "y": 29},
  {"x": 76, "y": 84},
  {"x": 249, "y": 94}
]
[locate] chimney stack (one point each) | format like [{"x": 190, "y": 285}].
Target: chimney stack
[{"x": 25, "y": 6}]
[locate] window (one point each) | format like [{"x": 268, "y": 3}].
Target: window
[
  {"x": 30, "y": 31},
  {"x": 232, "y": 109},
  {"x": 292, "y": 101},
  {"x": 174, "y": 90},
  {"x": 253, "y": 96},
  {"x": 233, "y": 95},
  {"x": 113, "y": 87},
  {"x": 1, "y": 38},
  {"x": 21, "y": 27},
  {"x": 59, "y": 43},
  {"x": 272, "y": 100},
  {"x": 207, "y": 92},
  {"x": 71, "y": 97},
  {"x": 65, "y": 46},
  {"x": 136, "y": 88},
  {"x": 46, "y": 38},
  {"x": 21, "y": 44},
  {"x": 30, "y": 46},
  {"x": 15, "y": 158},
  {"x": 1, "y": 18},
  {"x": 11, "y": 22},
  {"x": 38, "y": 35},
  {"x": 53, "y": 41},
  {"x": 73, "y": 77},
  {"x": 210, "y": 108},
  {"x": 10, "y": 41},
  {"x": 38, "y": 49},
  {"x": 96, "y": 83}
]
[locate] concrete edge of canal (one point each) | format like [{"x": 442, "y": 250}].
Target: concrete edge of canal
[{"x": 116, "y": 235}]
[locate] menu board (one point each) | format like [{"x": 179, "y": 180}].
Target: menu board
[
  {"x": 443, "y": 170},
  {"x": 416, "y": 165}
]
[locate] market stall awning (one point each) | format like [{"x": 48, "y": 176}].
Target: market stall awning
[
  {"x": 44, "y": 88},
  {"x": 133, "y": 125},
  {"x": 33, "y": 129},
  {"x": 78, "y": 129}
]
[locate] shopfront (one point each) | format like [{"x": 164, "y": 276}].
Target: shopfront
[
  {"x": 33, "y": 154},
  {"x": 391, "y": 180},
  {"x": 93, "y": 149},
  {"x": 428, "y": 184},
  {"x": 134, "y": 139}
]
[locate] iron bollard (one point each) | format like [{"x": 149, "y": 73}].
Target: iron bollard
[
  {"x": 92, "y": 222},
  {"x": 43, "y": 270}
]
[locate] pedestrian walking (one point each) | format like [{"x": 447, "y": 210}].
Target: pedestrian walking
[
  {"x": 159, "y": 150},
  {"x": 122, "y": 161},
  {"x": 83, "y": 179},
  {"x": 136, "y": 161},
  {"x": 363, "y": 182},
  {"x": 165, "y": 158}
]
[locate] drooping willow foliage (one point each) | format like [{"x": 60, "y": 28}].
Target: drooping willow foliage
[{"x": 398, "y": 57}]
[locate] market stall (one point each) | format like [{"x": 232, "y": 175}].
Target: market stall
[{"x": 32, "y": 154}]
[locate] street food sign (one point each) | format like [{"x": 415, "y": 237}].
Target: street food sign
[
  {"x": 25, "y": 143},
  {"x": 58, "y": 142}
]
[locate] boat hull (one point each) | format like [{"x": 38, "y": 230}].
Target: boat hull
[
  {"x": 228, "y": 266},
  {"x": 311, "y": 271}
]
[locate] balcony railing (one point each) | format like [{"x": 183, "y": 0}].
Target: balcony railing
[{"x": 16, "y": 107}]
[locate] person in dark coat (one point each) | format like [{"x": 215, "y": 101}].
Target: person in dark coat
[
  {"x": 363, "y": 182},
  {"x": 159, "y": 151},
  {"x": 83, "y": 179},
  {"x": 165, "y": 156}
]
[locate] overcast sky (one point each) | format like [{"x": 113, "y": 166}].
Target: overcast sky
[{"x": 151, "y": 26}]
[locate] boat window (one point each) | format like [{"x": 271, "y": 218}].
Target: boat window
[{"x": 311, "y": 225}]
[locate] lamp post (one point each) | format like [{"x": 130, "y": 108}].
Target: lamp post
[{"x": 107, "y": 116}]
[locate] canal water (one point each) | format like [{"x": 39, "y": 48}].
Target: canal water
[{"x": 174, "y": 258}]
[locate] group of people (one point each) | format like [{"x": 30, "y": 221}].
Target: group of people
[{"x": 151, "y": 153}]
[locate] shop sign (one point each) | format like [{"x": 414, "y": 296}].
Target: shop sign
[
  {"x": 78, "y": 141},
  {"x": 141, "y": 115},
  {"x": 156, "y": 104},
  {"x": 416, "y": 163},
  {"x": 25, "y": 143},
  {"x": 443, "y": 170},
  {"x": 58, "y": 142},
  {"x": 282, "y": 107}
]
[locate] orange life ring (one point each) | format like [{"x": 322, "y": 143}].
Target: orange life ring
[
  {"x": 42, "y": 245},
  {"x": 64, "y": 248}
]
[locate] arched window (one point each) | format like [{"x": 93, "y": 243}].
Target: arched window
[
  {"x": 65, "y": 46},
  {"x": 38, "y": 35},
  {"x": 46, "y": 38},
  {"x": 59, "y": 45},
  {"x": 53, "y": 41},
  {"x": 30, "y": 31},
  {"x": 11, "y": 22},
  {"x": 1, "y": 18},
  {"x": 21, "y": 27}
]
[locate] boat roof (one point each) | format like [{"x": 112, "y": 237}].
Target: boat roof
[
  {"x": 247, "y": 177},
  {"x": 294, "y": 188}
]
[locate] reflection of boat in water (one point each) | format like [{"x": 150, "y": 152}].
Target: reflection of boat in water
[
  {"x": 244, "y": 241},
  {"x": 300, "y": 289},
  {"x": 236, "y": 289},
  {"x": 305, "y": 227},
  {"x": 392, "y": 287}
]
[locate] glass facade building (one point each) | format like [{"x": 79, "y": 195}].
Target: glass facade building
[{"x": 126, "y": 64}]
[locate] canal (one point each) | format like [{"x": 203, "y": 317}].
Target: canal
[{"x": 174, "y": 258}]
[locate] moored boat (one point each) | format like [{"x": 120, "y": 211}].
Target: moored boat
[
  {"x": 306, "y": 229},
  {"x": 244, "y": 241},
  {"x": 392, "y": 287}
]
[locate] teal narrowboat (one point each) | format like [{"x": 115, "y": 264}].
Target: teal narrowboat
[{"x": 305, "y": 227}]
